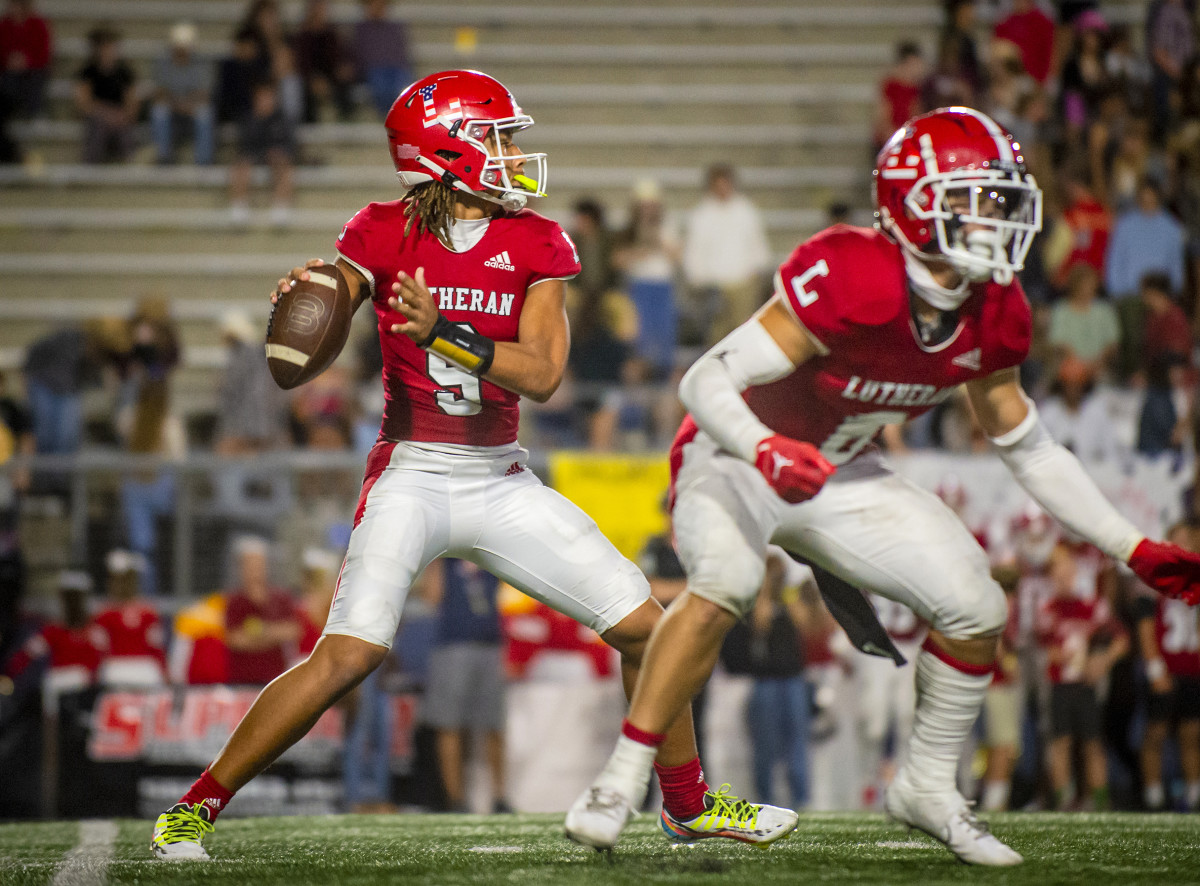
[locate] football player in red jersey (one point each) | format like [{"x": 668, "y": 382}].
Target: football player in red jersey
[
  {"x": 1169, "y": 638},
  {"x": 868, "y": 328},
  {"x": 469, "y": 290}
]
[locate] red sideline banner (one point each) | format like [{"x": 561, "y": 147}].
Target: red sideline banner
[{"x": 189, "y": 726}]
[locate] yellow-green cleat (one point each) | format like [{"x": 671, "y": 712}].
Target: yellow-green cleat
[
  {"x": 733, "y": 818},
  {"x": 179, "y": 833}
]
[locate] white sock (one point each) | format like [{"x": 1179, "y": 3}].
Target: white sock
[
  {"x": 1192, "y": 795},
  {"x": 995, "y": 796},
  {"x": 948, "y": 704},
  {"x": 628, "y": 770},
  {"x": 1153, "y": 795}
]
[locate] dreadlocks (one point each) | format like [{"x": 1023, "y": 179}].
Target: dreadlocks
[{"x": 431, "y": 206}]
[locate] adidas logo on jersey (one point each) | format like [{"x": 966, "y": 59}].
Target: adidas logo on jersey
[
  {"x": 969, "y": 360},
  {"x": 501, "y": 261}
]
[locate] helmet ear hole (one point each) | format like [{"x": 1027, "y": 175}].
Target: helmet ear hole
[{"x": 448, "y": 156}]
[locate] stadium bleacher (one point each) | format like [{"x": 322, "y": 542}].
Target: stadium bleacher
[{"x": 621, "y": 91}]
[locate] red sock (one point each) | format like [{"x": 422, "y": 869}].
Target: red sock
[
  {"x": 641, "y": 736},
  {"x": 683, "y": 788},
  {"x": 207, "y": 790}
]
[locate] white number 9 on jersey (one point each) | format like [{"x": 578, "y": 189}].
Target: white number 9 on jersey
[{"x": 460, "y": 392}]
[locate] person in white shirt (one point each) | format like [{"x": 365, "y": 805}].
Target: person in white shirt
[{"x": 726, "y": 256}]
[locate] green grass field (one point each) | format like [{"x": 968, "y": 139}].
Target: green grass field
[{"x": 529, "y": 850}]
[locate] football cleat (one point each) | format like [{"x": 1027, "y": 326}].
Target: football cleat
[
  {"x": 950, "y": 819},
  {"x": 733, "y": 818},
  {"x": 179, "y": 833},
  {"x": 597, "y": 818}
]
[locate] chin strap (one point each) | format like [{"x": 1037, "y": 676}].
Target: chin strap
[{"x": 930, "y": 290}]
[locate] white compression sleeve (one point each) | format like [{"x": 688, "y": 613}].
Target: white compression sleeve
[
  {"x": 712, "y": 389},
  {"x": 1057, "y": 481}
]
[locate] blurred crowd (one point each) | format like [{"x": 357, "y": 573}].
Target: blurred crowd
[{"x": 240, "y": 103}]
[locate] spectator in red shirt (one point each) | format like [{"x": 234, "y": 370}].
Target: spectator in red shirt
[
  {"x": 1167, "y": 331},
  {"x": 136, "y": 643},
  {"x": 1170, "y": 643},
  {"x": 24, "y": 57},
  {"x": 1032, "y": 32},
  {"x": 262, "y": 627},
  {"x": 1086, "y": 224},
  {"x": 900, "y": 92},
  {"x": 74, "y": 644},
  {"x": 319, "y": 575},
  {"x": 1082, "y": 641}
]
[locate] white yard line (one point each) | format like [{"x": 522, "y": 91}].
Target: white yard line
[{"x": 86, "y": 863}]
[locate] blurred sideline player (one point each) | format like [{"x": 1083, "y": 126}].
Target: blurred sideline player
[
  {"x": 468, "y": 286},
  {"x": 1170, "y": 642},
  {"x": 887, "y": 696},
  {"x": 869, "y": 328},
  {"x": 466, "y": 689}
]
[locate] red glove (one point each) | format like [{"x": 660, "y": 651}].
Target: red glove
[
  {"x": 1169, "y": 569},
  {"x": 795, "y": 470}
]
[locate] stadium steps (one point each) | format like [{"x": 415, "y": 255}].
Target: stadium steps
[{"x": 621, "y": 90}]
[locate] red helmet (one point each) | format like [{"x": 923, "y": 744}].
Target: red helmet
[
  {"x": 447, "y": 127},
  {"x": 964, "y": 155}
]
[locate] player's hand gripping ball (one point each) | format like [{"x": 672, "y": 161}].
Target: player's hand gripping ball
[{"x": 309, "y": 326}]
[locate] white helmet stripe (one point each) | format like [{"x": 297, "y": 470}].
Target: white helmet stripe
[{"x": 1003, "y": 147}]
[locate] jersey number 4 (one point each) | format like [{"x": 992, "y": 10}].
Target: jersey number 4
[{"x": 460, "y": 392}]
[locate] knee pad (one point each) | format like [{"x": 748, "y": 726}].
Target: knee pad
[
  {"x": 731, "y": 582},
  {"x": 981, "y": 611},
  {"x": 723, "y": 565}
]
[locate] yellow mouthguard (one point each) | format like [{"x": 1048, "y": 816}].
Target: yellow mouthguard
[{"x": 524, "y": 181}]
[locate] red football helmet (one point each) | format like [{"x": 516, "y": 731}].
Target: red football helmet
[
  {"x": 955, "y": 167},
  {"x": 447, "y": 127}
]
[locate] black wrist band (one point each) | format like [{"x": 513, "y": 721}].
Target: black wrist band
[{"x": 463, "y": 347}]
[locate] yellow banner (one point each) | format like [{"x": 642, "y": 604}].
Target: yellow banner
[{"x": 623, "y": 493}]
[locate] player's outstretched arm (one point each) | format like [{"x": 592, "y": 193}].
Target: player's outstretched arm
[
  {"x": 1058, "y": 482},
  {"x": 767, "y": 347}
]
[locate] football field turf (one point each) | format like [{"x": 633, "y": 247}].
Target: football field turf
[{"x": 529, "y": 850}]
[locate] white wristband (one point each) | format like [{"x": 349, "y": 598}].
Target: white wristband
[{"x": 1156, "y": 669}]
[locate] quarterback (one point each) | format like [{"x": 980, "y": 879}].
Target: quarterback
[
  {"x": 870, "y": 327},
  {"x": 468, "y": 287}
]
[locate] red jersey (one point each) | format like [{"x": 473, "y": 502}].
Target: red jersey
[
  {"x": 1090, "y": 223},
  {"x": 903, "y": 101},
  {"x": 849, "y": 289},
  {"x": 427, "y": 399},
  {"x": 1071, "y": 624},
  {"x": 66, "y": 647},
  {"x": 28, "y": 40},
  {"x": 264, "y": 665},
  {"x": 1178, "y": 637},
  {"x": 1033, "y": 33},
  {"x": 134, "y": 630}
]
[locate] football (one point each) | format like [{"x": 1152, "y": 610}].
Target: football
[{"x": 308, "y": 328}]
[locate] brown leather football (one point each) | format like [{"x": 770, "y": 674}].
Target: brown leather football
[{"x": 308, "y": 328}]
